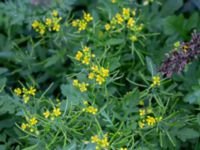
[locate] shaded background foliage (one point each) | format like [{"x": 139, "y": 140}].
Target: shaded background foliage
[{"x": 25, "y": 57}]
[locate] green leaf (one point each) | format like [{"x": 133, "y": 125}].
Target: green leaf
[
  {"x": 150, "y": 66},
  {"x": 115, "y": 41},
  {"x": 72, "y": 93},
  {"x": 193, "y": 97},
  {"x": 198, "y": 118},
  {"x": 187, "y": 133}
]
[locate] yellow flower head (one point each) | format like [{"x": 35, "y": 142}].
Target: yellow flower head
[
  {"x": 156, "y": 81},
  {"x": 82, "y": 25},
  {"x": 87, "y": 17},
  {"x": 56, "y": 27},
  {"x": 33, "y": 121},
  {"x": 150, "y": 120},
  {"x": 95, "y": 68},
  {"x": 100, "y": 79},
  {"x": 24, "y": 126},
  {"x": 86, "y": 60},
  {"x": 119, "y": 18},
  {"x": 126, "y": 13},
  {"x": 91, "y": 75},
  {"x": 130, "y": 22},
  {"x": 83, "y": 87},
  {"x": 56, "y": 112},
  {"x": 91, "y": 109},
  {"x": 46, "y": 114},
  {"x": 123, "y": 149},
  {"x": 185, "y": 48},
  {"x": 107, "y": 26},
  {"x": 48, "y": 21},
  {"x": 86, "y": 49},
  {"x": 95, "y": 139},
  {"x": 85, "y": 102},
  {"x": 104, "y": 142},
  {"x": 113, "y": 1},
  {"x": 142, "y": 112},
  {"x": 75, "y": 23},
  {"x": 141, "y": 124},
  {"x": 104, "y": 72},
  {"x": 79, "y": 54},
  {"x": 55, "y": 13},
  {"x": 75, "y": 83},
  {"x": 35, "y": 24},
  {"x": 26, "y": 98},
  {"x": 18, "y": 91},
  {"x": 32, "y": 91}
]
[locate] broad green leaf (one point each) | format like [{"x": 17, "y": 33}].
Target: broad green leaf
[{"x": 187, "y": 133}]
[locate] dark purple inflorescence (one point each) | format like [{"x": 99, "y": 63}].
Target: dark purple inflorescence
[{"x": 179, "y": 58}]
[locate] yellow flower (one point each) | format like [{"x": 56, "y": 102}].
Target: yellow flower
[
  {"x": 156, "y": 81},
  {"x": 75, "y": 23},
  {"x": 91, "y": 109},
  {"x": 140, "y": 27},
  {"x": 133, "y": 38},
  {"x": 142, "y": 112},
  {"x": 130, "y": 22},
  {"x": 26, "y": 98},
  {"x": 86, "y": 60},
  {"x": 48, "y": 21},
  {"x": 113, "y": 1},
  {"x": 83, "y": 87},
  {"x": 42, "y": 31},
  {"x": 141, "y": 124},
  {"x": 79, "y": 54},
  {"x": 123, "y": 148},
  {"x": 55, "y": 13},
  {"x": 87, "y": 17},
  {"x": 104, "y": 142},
  {"x": 107, "y": 26},
  {"x": 82, "y": 25},
  {"x": 24, "y": 126},
  {"x": 86, "y": 49},
  {"x": 33, "y": 121},
  {"x": 25, "y": 91},
  {"x": 94, "y": 139},
  {"x": 35, "y": 24},
  {"x": 119, "y": 18},
  {"x": 95, "y": 68},
  {"x": 56, "y": 27},
  {"x": 105, "y": 72},
  {"x": 46, "y": 114},
  {"x": 91, "y": 75},
  {"x": 126, "y": 13},
  {"x": 56, "y": 112},
  {"x": 150, "y": 120},
  {"x": 32, "y": 91},
  {"x": 18, "y": 91},
  {"x": 75, "y": 83},
  {"x": 100, "y": 79}
]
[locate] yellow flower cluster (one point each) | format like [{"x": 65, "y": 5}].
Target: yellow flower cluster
[
  {"x": 91, "y": 110},
  {"x": 84, "y": 55},
  {"x": 50, "y": 24},
  {"x": 82, "y": 86},
  {"x": 125, "y": 18},
  {"x": 156, "y": 81},
  {"x": 100, "y": 142},
  {"x": 123, "y": 148},
  {"x": 55, "y": 113},
  {"x": 25, "y": 93},
  {"x": 100, "y": 73},
  {"x": 81, "y": 24},
  {"x": 95, "y": 72},
  {"x": 149, "y": 120},
  {"x": 31, "y": 123}
]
